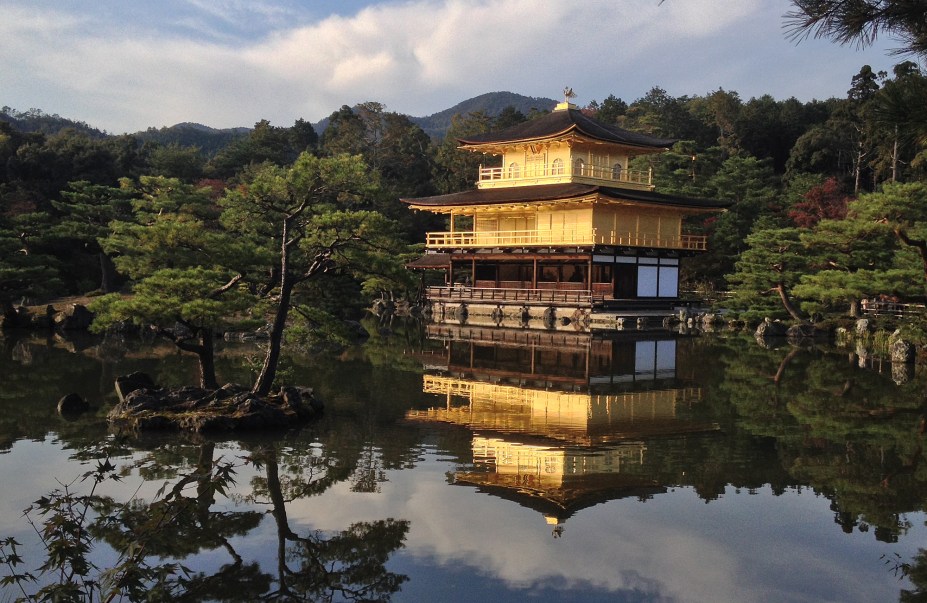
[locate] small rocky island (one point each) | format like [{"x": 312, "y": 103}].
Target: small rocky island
[{"x": 143, "y": 405}]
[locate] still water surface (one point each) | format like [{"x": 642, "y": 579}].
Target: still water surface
[{"x": 507, "y": 466}]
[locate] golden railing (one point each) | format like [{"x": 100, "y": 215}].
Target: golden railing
[
  {"x": 578, "y": 237},
  {"x": 548, "y": 172},
  {"x": 687, "y": 242},
  {"x": 509, "y": 238}
]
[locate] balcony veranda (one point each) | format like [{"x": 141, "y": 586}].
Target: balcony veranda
[
  {"x": 562, "y": 238},
  {"x": 565, "y": 294},
  {"x": 552, "y": 174}
]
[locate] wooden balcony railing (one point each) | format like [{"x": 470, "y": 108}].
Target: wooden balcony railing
[
  {"x": 687, "y": 242},
  {"x": 891, "y": 308},
  {"x": 499, "y": 294},
  {"x": 556, "y": 173},
  {"x": 569, "y": 237}
]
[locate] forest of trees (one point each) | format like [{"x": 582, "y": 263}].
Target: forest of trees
[
  {"x": 827, "y": 200},
  {"x": 809, "y": 176}
]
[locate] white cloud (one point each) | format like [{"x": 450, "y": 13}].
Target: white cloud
[
  {"x": 673, "y": 547},
  {"x": 417, "y": 57}
]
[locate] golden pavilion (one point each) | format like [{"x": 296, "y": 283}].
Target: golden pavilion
[{"x": 562, "y": 228}]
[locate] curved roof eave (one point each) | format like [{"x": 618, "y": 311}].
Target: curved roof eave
[
  {"x": 561, "y": 123},
  {"x": 555, "y": 192}
]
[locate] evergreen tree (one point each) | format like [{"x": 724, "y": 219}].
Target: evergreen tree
[
  {"x": 456, "y": 170},
  {"x": 850, "y": 260},
  {"x": 659, "y": 114},
  {"x": 754, "y": 191},
  {"x": 86, "y": 212},
  {"x": 508, "y": 117},
  {"x": 264, "y": 144},
  {"x": 770, "y": 265},
  {"x": 26, "y": 269},
  {"x": 186, "y": 269},
  {"x": 175, "y": 161},
  {"x": 720, "y": 111},
  {"x": 902, "y": 208},
  {"x": 860, "y": 22},
  {"x": 900, "y": 115},
  {"x": 304, "y": 221},
  {"x": 610, "y": 110},
  {"x": 346, "y": 133}
]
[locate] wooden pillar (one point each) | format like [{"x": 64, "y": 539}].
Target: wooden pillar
[
  {"x": 614, "y": 272},
  {"x": 589, "y": 274},
  {"x": 473, "y": 272},
  {"x": 534, "y": 274}
]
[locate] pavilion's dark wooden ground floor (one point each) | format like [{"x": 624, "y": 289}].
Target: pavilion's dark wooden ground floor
[{"x": 578, "y": 283}]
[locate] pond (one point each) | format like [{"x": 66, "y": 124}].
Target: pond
[{"x": 459, "y": 464}]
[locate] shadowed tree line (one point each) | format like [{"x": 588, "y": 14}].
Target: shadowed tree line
[
  {"x": 783, "y": 160},
  {"x": 286, "y": 228}
]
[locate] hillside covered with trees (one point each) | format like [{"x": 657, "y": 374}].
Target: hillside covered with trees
[{"x": 838, "y": 184}]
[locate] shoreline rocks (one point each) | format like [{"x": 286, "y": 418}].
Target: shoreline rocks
[
  {"x": 901, "y": 351},
  {"x": 75, "y": 317},
  {"x": 769, "y": 329},
  {"x": 232, "y": 407}
]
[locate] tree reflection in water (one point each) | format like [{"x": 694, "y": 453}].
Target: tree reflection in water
[
  {"x": 350, "y": 564},
  {"x": 155, "y": 539},
  {"x": 790, "y": 418},
  {"x": 916, "y": 572},
  {"x": 851, "y": 434}
]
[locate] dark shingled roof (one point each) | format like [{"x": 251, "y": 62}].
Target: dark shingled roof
[
  {"x": 432, "y": 261},
  {"x": 553, "y": 192},
  {"x": 561, "y": 122}
]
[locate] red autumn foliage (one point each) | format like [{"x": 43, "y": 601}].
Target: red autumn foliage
[
  {"x": 216, "y": 186},
  {"x": 826, "y": 201}
]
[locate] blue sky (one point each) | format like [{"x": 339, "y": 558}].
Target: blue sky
[{"x": 125, "y": 65}]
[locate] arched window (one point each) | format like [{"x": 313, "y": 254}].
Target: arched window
[
  {"x": 514, "y": 170},
  {"x": 556, "y": 167},
  {"x": 616, "y": 171},
  {"x": 579, "y": 167}
]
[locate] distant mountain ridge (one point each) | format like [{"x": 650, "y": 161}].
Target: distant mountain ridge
[
  {"x": 36, "y": 120},
  {"x": 190, "y": 125},
  {"x": 190, "y": 134},
  {"x": 210, "y": 140},
  {"x": 491, "y": 103}
]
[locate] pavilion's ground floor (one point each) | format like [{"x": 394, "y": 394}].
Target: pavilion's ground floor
[{"x": 609, "y": 288}]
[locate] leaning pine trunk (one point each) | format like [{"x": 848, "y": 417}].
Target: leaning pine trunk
[
  {"x": 205, "y": 354},
  {"x": 207, "y": 357},
  {"x": 269, "y": 369},
  {"x": 787, "y": 303}
]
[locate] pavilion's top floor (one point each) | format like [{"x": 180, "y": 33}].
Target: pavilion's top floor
[
  {"x": 564, "y": 180},
  {"x": 564, "y": 146}
]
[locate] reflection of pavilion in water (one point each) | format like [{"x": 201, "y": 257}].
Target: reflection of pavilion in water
[{"x": 560, "y": 421}]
